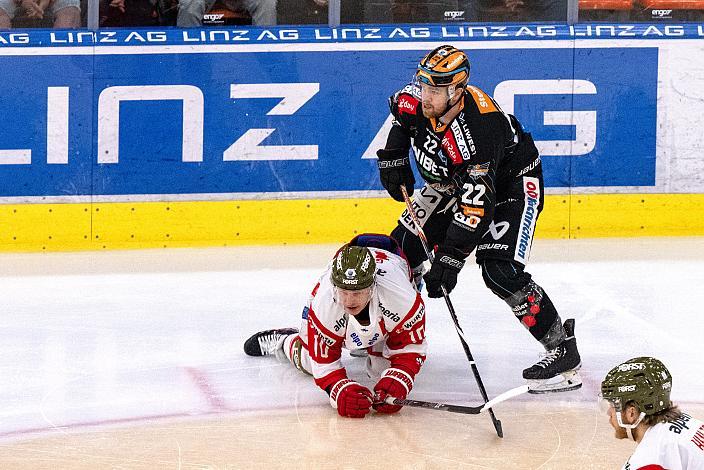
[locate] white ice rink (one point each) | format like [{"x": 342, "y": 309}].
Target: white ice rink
[{"x": 134, "y": 360}]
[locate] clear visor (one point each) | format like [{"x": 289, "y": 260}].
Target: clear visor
[
  {"x": 431, "y": 90},
  {"x": 606, "y": 403}
]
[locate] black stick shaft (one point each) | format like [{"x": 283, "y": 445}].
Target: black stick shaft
[{"x": 470, "y": 410}]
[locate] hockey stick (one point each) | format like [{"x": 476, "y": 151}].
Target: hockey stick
[
  {"x": 463, "y": 340},
  {"x": 468, "y": 410}
]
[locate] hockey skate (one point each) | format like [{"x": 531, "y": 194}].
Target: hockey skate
[
  {"x": 267, "y": 342},
  {"x": 557, "y": 371}
]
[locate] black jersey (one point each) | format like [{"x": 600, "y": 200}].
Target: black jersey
[{"x": 475, "y": 157}]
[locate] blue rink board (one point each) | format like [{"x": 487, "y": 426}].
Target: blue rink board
[{"x": 341, "y": 119}]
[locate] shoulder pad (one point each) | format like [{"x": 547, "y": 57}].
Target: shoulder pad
[
  {"x": 484, "y": 102},
  {"x": 412, "y": 89}
]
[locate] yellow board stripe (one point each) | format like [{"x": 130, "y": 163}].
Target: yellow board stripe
[{"x": 124, "y": 225}]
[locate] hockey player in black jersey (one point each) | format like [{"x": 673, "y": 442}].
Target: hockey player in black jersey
[{"x": 483, "y": 190}]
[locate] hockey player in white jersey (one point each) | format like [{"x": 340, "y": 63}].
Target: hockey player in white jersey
[
  {"x": 365, "y": 299},
  {"x": 637, "y": 394}
]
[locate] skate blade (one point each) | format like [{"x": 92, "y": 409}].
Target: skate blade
[{"x": 566, "y": 382}]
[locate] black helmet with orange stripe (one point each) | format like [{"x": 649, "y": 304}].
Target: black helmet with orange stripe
[{"x": 444, "y": 66}]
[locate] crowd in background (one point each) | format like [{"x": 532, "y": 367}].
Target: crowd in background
[{"x": 194, "y": 13}]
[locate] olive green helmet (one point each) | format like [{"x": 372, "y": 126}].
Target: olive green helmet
[
  {"x": 353, "y": 268},
  {"x": 643, "y": 380}
]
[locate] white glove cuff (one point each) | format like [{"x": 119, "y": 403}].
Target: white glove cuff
[
  {"x": 401, "y": 376},
  {"x": 337, "y": 389}
]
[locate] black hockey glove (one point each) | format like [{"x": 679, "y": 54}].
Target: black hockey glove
[
  {"x": 394, "y": 171},
  {"x": 447, "y": 265}
]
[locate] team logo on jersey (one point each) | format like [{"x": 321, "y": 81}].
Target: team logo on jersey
[{"x": 478, "y": 171}]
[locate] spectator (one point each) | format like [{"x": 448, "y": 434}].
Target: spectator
[
  {"x": 515, "y": 10},
  {"x": 298, "y": 12},
  {"x": 66, "y": 13},
  {"x": 117, "y": 13},
  {"x": 190, "y": 12}
]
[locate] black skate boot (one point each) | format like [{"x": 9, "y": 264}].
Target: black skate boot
[
  {"x": 557, "y": 371},
  {"x": 267, "y": 342}
]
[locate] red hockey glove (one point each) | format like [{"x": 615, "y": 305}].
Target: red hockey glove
[
  {"x": 350, "y": 399},
  {"x": 395, "y": 383}
]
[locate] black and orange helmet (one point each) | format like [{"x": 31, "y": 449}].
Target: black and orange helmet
[{"x": 444, "y": 66}]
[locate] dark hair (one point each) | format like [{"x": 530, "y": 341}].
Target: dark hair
[{"x": 670, "y": 413}]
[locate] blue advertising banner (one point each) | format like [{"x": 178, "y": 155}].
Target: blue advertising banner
[{"x": 206, "y": 119}]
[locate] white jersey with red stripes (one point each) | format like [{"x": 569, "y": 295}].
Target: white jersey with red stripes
[
  {"x": 396, "y": 328},
  {"x": 674, "y": 445}
]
